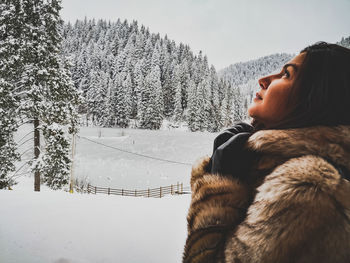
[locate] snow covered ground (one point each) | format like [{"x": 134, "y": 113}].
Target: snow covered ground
[
  {"x": 107, "y": 167},
  {"x": 58, "y": 227}
]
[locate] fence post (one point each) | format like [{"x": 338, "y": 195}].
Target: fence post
[{"x": 179, "y": 187}]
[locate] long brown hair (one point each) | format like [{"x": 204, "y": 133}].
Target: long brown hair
[{"x": 320, "y": 94}]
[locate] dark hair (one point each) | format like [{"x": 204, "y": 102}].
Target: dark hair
[{"x": 321, "y": 92}]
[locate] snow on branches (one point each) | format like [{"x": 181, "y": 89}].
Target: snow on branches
[{"x": 36, "y": 79}]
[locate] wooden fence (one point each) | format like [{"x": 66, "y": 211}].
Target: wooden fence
[{"x": 177, "y": 189}]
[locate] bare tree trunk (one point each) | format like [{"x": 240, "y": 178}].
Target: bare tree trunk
[{"x": 36, "y": 154}]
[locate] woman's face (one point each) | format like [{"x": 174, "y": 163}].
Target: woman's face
[{"x": 270, "y": 104}]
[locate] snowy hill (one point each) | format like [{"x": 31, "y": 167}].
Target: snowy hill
[
  {"x": 126, "y": 73},
  {"x": 242, "y": 72}
]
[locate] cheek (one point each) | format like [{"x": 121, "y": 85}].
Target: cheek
[
  {"x": 272, "y": 107},
  {"x": 275, "y": 101}
]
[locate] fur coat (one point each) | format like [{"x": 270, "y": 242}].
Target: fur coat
[{"x": 298, "y": 209}]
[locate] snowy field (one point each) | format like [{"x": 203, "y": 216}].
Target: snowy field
[
  {"x": 108, "y": 167},
  {"x": 58, "y": 227}
]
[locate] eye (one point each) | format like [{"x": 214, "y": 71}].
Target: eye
[{"x": 286, "y": 73}]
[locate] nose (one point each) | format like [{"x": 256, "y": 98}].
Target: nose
[{"x": 264, "y": 82}]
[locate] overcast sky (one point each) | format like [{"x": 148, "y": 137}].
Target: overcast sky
[{"x": 228, "y": 31}]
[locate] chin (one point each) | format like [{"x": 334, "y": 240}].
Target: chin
[
  {"x": 255, "y": 108},
  {"x": 251, "y": 110}
]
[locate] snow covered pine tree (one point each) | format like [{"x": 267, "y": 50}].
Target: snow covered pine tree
[
  {"x": 43, "y": 88},
  {"x": 10, "y": 15}
]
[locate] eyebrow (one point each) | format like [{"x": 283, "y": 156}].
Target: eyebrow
[{"x": 290, "y": 65}]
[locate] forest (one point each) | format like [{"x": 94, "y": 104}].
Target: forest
[{"x": 130, "y": 77}]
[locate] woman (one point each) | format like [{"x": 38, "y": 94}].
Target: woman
[{"x": 279, "y": 191}]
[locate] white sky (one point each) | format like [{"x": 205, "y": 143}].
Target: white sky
[{"x": 228, "y": 31}]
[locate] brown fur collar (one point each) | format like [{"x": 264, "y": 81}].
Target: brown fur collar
[{"x": 332, "y": 143}]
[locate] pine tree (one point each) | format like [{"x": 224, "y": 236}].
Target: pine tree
[
  {"x": 10, "y": 19},
  {"x": 148, "y": 54},
  {"x": 166, "y": 79},
  {"x": 203, "y": 105},
  {"x": 184, "y": 78},
  {"x": 139, "y": 46},
  {"x": 239, "y": 114},
  {"x": 94, "y": 97},
  {"x": 152, "y": 102},
  {"x": 178, "y": 99},
  {"x": 110, "y": 105},
  {"x": 139, "y": 78},
  {"x": 8, "y": 125},
  {"x": 103, "y": 114},
  {"x": 193, "y": 107},
  {"x": 62, "y": 99},
  {"x": 122, "y": 99},
  {"x": 46, "y": 89},
  {"x": 56, "y": 158},
  {"x": 215, "y": 117},
  {"x": 227, "y": 109},
  {"x": 178, "y": 94},
  {"x": 155, "y": 60}
]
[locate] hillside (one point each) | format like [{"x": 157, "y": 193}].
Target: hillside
[
  {"x": 129, "y": 76},
  {"x": 242, "y": 72}
]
